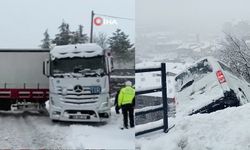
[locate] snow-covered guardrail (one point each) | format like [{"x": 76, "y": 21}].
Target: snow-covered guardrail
[
  {"x": 148, "y": 90},
  {"x": 122, "y": 77},
  {"x": 163, "y": 107},
  {"x": 148, "y": 67},
  {"x": 148, "y": 109}
]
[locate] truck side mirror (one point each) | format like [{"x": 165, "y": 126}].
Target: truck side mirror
[
  {"x": 110, "y": 64},
  {"x": 46, "y": 69}
]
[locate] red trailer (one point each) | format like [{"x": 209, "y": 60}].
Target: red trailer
[{"x": 22, "y": 83}]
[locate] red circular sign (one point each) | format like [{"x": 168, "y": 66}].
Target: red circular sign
[{"x": 98, "y": 21}]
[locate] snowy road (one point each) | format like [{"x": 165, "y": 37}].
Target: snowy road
[
  {"x": 30, "y": 130},
  {"x": 25, "y": 130}
]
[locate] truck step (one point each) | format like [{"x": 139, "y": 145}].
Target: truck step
[{"x": 27, "y": 106}]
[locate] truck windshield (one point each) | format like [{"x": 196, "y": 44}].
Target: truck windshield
[
  {"x": 78, "y": 67},
  {"x": 193, "y": 74}
]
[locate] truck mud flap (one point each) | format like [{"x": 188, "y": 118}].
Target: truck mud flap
[{"x": 229, "y": 100}]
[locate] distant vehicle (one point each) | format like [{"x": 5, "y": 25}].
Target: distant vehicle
[
  {"x": 209, "y": 85},
  {"x": 22, "y": 83},
  {"x": 79, "y": 78}
]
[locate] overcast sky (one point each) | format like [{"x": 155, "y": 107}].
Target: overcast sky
[
  {"x": 199, "y": 16},
  {"x": 24, "y": 21}
]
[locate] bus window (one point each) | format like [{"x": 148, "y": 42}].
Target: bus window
[{"x": 193, "y": 74}]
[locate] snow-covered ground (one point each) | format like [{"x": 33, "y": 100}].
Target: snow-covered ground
[
  {"x": 20, "y": 130},
  {"x": 227, "y": 129}
]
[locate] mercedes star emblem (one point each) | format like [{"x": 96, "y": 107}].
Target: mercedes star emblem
[{"x": 78, "y": 88}]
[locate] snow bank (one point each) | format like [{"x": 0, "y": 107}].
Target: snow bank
[
  {"x": 108, "y": 136},
  {"x": 100, "y": 138},
  {"x": 150, "y": 125},
  {"x": 228, "y": 129},
  {"x": 76, "y": 50}
]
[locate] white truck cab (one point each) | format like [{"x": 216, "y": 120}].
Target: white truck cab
[{"x": 79, "y": 83}]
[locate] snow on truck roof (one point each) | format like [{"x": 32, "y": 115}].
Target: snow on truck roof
[{"x": 76, "y": 50}]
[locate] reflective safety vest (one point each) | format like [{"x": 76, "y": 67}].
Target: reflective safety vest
[{"x": 126, "y": 96}]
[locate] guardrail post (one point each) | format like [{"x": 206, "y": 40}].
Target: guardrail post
[
  {"x": 164, "y": 97},
  {"x": 164, "y": 107}
]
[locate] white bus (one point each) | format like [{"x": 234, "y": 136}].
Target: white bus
[{"x": 209, "y": 85}]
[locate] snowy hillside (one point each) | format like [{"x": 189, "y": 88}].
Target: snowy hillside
[
  {"x": 226, "y": 129},
  {"x": 175, "y": 47}
]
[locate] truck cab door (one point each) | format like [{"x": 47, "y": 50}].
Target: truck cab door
[{"x": 109, "y": 63}]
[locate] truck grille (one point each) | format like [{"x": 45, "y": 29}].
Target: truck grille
[
  {"x": 89, "y": 90},
  {"x": 80, "y": 99},
  {"x": 76, "y": 94},
  {"x": 83, "y": 97}
]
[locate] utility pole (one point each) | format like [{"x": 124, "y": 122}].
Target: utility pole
[{"x": 91, "y": 29}]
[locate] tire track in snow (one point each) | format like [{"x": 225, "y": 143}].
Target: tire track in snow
[
  {"x": 25, "y": 131},
  {"x": 45, "y": 134}
]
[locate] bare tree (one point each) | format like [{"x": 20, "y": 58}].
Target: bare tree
[
  {"x": 101, "y": 39},
  {"x": 236, "y": 53}
]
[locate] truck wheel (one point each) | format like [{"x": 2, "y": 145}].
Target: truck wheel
[
  {"x": 5, "y": 105},
  {"x": 55, "y": 121},
  {"x": 43, "y": 112},
  {"x": 42, "y": 109}
]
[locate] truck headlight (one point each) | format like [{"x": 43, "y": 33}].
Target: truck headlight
[
  {"x": 105, "y": 104},
  {"x": 56, "y": 114}
]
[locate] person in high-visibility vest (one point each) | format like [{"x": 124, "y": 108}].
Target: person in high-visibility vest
[{"x": 126, "y": 101}]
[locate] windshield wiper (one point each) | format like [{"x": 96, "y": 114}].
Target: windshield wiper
[
  {"x": 88, "y": 72},
  {"x": 60, "y": 75},
  {"x": 69, "y": 74},
  {"x": 187, "y": 84},
  {"x": 80, "y": 73}
]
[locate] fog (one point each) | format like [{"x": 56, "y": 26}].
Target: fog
[
  {"x": 24, "y": 22},
  {"x": 176, "y": 30},
  {"x": 185, "y": 16}
]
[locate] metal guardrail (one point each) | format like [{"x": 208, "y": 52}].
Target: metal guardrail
[{"x": 163, "y": 89}]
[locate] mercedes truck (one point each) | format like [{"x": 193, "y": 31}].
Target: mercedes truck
[{"x": 79, "y": 86}]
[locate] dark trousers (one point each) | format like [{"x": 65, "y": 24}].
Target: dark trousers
[{"x": 128, "y": 111}]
